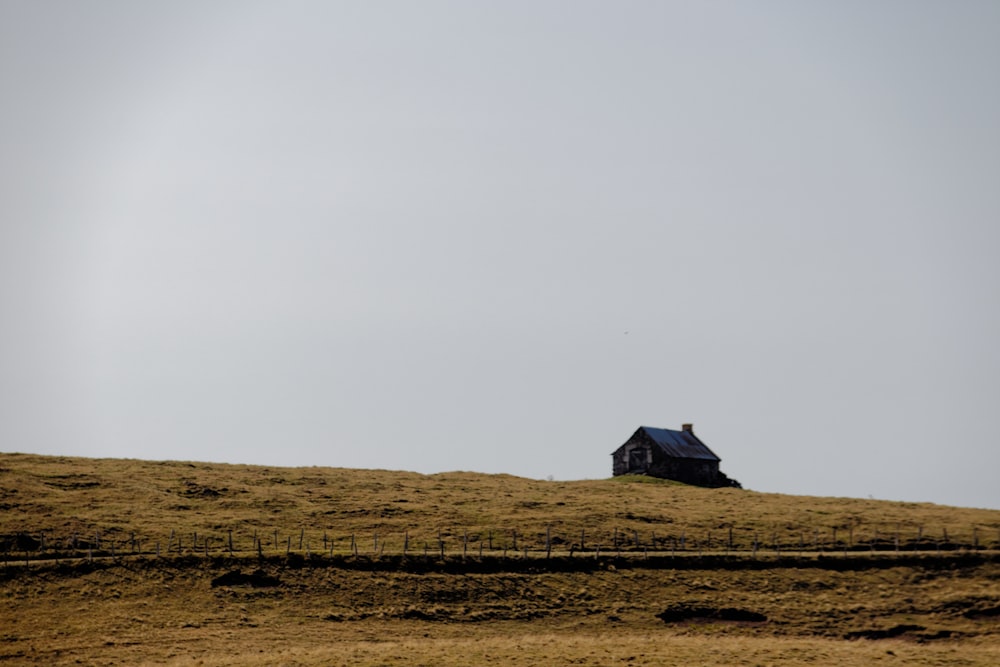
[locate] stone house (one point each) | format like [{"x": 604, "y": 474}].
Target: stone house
[{"x": 677, "y": 455}]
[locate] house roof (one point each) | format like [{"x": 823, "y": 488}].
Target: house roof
[{"x": 680, "y": 444}]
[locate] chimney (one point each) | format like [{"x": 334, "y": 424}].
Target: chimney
[{"x": 687, "y": 427}]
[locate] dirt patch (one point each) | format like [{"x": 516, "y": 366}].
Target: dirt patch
[
  {"x": 194, "y": 490},
  {"x": 983, "y": 612},
  {"x": 685, "y": 613},
  {"x": 972, "y": 607},
  {"x": 72, "y": 481},
  {"x": 19, "y": 542},
  {"x": 887, "y": 633},
  {"x": 256, "y": 579}
]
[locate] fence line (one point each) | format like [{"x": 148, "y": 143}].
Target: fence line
[{"x": 492, "y": 542}]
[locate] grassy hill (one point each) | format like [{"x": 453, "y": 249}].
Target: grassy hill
[
  {"x": 65, "y": 497},
  {"x": 128, "y": 562}
]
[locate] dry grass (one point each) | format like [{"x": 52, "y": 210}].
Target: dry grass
[
  {"x": 934, "y": 610},
  {"x": 67, "y": 496},
  {"x": 168, "y": 611},
  {"x": 625, "y": 648}
]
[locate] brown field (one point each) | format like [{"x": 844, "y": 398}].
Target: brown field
[{"x": 899, "y": 583}]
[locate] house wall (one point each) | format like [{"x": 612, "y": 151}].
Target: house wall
[
  {"x": 626, "y": 460},
  {"x": 689, "y": 471}
]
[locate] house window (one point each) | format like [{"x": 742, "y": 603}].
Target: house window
[{"x": 637, "y": 459}]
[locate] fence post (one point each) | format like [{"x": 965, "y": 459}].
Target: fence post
[{"x": 302, "y": 534}]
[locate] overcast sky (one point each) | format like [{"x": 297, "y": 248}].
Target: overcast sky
[{"x": 500, "y": 236}]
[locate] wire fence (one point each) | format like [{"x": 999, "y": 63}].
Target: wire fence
[{"x": 732, "y": 541}]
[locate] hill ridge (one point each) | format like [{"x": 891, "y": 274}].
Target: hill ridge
[{"x": 66, "y": 496}]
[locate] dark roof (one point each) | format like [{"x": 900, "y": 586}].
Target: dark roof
[{"x": 680, "y": 444}]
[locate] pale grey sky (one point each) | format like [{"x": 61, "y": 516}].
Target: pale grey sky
[{"x": 500, "y": 236}]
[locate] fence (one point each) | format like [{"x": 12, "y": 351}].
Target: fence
[{"x": 729, "y": 541}]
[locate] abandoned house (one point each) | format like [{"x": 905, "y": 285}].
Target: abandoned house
[{"x": 677, "y": 455}]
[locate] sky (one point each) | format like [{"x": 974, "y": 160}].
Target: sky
[{"x": 501, "y": 236}]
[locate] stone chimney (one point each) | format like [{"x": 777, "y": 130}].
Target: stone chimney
[{"x": 687, "y": 427}]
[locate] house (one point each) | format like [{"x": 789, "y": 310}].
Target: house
[{"x": 678, "y": 455}]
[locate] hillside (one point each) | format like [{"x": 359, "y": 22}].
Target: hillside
[
  {"x": 129, "y": 562},
  {"x": 119, "y": 499}
]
